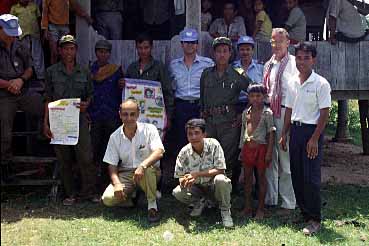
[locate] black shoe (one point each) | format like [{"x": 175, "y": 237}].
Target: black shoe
[{"x": 153, "y": 215}]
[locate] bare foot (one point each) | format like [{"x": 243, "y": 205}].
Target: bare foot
[
  {"x": 259, "y": 214},
  {"x": 247, "y": 212}
]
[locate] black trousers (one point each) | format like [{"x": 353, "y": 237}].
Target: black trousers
[{"x": 305, "y": 172}]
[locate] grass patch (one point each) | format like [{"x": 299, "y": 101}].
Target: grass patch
[
  {"x": 32, "y": 221},
  {"x": 353, "y": 121}
]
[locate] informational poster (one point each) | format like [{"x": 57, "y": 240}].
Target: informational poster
[
  {"x": 64, "y": 121},
  {"x": 149, "y": 96}
]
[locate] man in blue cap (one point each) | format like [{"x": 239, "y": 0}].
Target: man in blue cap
[
  {"x": 185, "y": 73},
  {"x": 15, "y": 71},
  {"x": 246, "y": 65}
]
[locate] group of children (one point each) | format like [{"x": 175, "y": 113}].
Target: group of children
[{"x": 262, "y": 24}]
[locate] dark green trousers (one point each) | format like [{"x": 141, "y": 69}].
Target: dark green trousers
[{"x": 78, "y": 158}]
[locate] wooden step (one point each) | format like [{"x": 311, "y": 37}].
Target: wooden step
[
  {"x": 33, "y": 159},
  {"x": 25, "y": 134},
  {"x": 32, "y": 182}
]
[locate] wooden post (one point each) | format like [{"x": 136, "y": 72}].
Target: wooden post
[
  {"x": 83, "y": 35},
  {"x": 193, "y": 14},
  {"x": 364, "y": 122},
  {"x": 342, "y": 133}
]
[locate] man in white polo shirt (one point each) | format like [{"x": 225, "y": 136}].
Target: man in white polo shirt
[
  {"x": 277, "y": 72},
  {"x": 133, "y": 152},
  {"x": 307, "y": 109}
]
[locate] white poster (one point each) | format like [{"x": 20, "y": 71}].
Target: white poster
[
  {"x": 64, "y": 121},
  {"x": 149, "y": 97}
]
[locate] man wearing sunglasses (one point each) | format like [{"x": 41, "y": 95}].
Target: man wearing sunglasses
[{"x": 185, "y": 74}]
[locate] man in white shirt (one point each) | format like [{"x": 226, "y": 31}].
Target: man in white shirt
[
  {"x": 133, "y": 152},
  {"x": 307, "y": 110},
  {"x": 344, "y": 22},
  {"x": 277, "y": 72}
]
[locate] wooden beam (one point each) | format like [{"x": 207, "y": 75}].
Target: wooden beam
[
  {"x": 193, "y": 14},
  {"x": 350, "y": 94},
  {"x": 83, "y": 34}
]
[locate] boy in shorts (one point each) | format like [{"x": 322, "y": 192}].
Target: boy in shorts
[{"x": 256, "y": 143}]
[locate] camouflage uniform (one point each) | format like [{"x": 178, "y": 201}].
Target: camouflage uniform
[{"x": 218, "y": 187}]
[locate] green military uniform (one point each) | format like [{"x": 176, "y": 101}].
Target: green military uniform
[
  {"x": 156, "y": 71},
  {"x": 218, "y": 98},
  {"x": 78, "y": 84}
]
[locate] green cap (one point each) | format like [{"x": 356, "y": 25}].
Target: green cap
[
  {"x": 222, "y": 40},
  {"x": 103, "y": 44},
  {"x": 67, "y": 39}
]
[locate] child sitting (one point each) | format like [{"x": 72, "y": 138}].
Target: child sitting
[
  {"x": 29, "y": 17},
  {"x": 206, "y": 16},
  {"x": 256, "y": 142},
  {"x": 263, "y": 24}
]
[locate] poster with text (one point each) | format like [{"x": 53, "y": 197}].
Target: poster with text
[
  {"x": 149, "y": 96},
  {"x": 64, "y": 121}
]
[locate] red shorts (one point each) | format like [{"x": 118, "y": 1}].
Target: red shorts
[{"x": 254, "y": 157}]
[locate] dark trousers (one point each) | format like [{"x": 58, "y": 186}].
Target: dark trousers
[
  {"x": 185, "y": 110},
  {"x": 341, "y": 37},
  {"x": 78, "y": 158},
  {"x": 30, "y": 103},
  {"x": 100, "y": 134},
  {"x": 226, "y": 130},
  {"x": 305, "y": 172}
]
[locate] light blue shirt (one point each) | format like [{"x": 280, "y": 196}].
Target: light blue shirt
[
  {"x": 186, "y": 81},
  {"x": 255, "y": 73}
]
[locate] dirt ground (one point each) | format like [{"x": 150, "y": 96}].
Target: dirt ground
[{"x": 344, "y": 163}]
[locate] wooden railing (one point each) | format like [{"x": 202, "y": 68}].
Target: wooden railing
[{"x": 344, "y": 65}]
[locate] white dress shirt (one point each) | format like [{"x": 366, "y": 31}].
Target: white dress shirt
[{"x": 132, "y": 152}]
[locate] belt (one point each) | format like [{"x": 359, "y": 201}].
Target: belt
[
  {"x": 194, "y": 101},
  {"x": 298, "y": 123}
]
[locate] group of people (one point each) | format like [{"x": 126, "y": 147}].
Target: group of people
[
  {"x": 270, "y": 118},
  {"x": 252, "y": 20}
]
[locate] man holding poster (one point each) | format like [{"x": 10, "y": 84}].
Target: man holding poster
[
  {"x": 64, "y": 80},
  {"x": 147, "y": 68}
]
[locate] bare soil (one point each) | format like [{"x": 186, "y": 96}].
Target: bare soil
[{"x": 344, "y": 163}]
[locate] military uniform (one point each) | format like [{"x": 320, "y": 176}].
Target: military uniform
[
  {"x": 13, "y": 64},
  {"x": 218, "y": 98},
  {"x": 78, "y": 84}
]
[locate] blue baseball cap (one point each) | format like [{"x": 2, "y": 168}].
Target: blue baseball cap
[
  {"x": 10, "y": 25},
  {"x": 246, "y": 40},
  {"x": 188, "y": 35}
]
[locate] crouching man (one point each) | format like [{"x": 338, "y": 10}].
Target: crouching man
[
  {"x": 133, "y": 152},
  {"x": 200, "y": 167}
]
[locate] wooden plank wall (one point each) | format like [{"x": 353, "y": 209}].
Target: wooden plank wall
[{"x": 345, "y": 65}]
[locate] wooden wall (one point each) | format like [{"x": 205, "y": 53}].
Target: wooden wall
[{"x": 345, "y": 65}]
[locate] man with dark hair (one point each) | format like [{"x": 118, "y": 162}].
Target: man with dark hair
[
  {"x": 200, "y": 169},
  {"x": 185, "y": 73},
  {"x": 308, "y": 101},
  {"x": 220, "y": 88},
  {"x": 150, "y": 69},
  {"x": 133, "y": 152},
  {"x": 15, "y": 71},
  {"x": 67, "y": 79},
  {"x": 103, "y": 111},
  {"x": 231, "y": 25}
]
